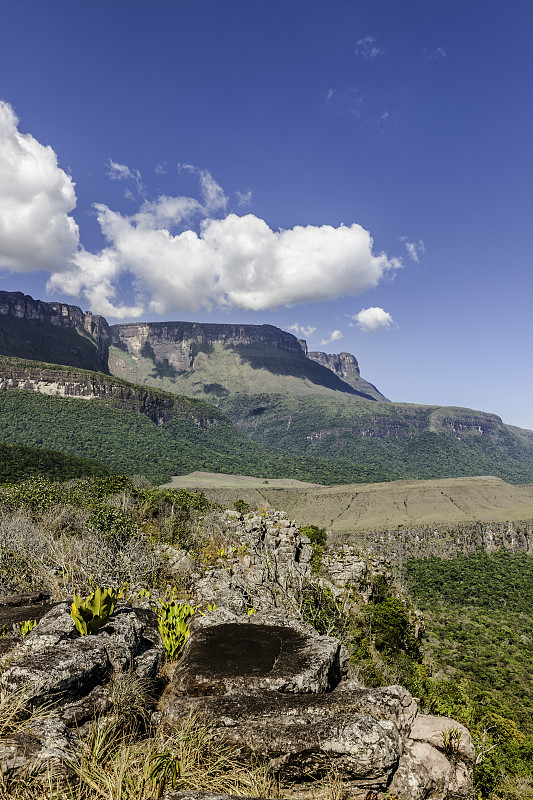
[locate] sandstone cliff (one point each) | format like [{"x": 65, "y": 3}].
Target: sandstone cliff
[
  {"x": 60, "y": 381},
  {"x": 346, "y": 367},
  {"x": 52, "y": 332},
  {"x": 177, "y": 343}
]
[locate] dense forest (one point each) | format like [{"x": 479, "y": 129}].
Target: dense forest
[
  {"x": 479, "y": 646},
  {"x": 131, "y": 443}
]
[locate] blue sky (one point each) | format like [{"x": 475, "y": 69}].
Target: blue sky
[{"x": 216, "y": 161}]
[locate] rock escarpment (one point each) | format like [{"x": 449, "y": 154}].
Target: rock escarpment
[
  {"x": 53, "y": 332},
  {"x": 176, "y": 344},
  {"x": 83, "y": 385}
]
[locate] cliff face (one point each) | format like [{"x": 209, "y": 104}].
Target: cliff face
[
  {"x": 346, "y": 367},
  {"x": 342, "y": 364},
  {"x": 82, "y": 385},
  {"x": 31, "y": 329},
  {"x": 176, "y": 344}
]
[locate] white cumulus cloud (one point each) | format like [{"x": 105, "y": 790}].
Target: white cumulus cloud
[
  {"x": 301, "y": 330},
  {"x": 177, "y": 252},
  {"x": 36, "y": 196},
  {"x": 372, "y": 319},
  {"x": 233, "y": 262},
  {"x": 333, "y": 337}
]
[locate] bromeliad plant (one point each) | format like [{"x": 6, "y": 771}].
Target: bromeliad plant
[
  {"x": 27, "y": 626},
  {"x": 173, "y": 627},
  {"x": 91, "y": 614}
]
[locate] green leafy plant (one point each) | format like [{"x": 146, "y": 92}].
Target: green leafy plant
[
  {"x": 26, "y": 627},
  {"x": 91, "y": 614},
  {"x": 3, "y": 630},
  {"x": 451, "y": 738},
  {"x": 172, "y": 623}
]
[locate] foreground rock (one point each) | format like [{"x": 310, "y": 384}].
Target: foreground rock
[
  {"x": 230, "y": 653},
  {"x": 373, "y": 738},
  {"x": 54, "y": 667}
]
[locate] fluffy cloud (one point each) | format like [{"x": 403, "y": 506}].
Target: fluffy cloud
[
  {"x": 372, "y": 319},
  {"x": 302, "y": 331},
  {"x": 178, "y": 253},
  {"x": 36, "y": 196},
  {"x": 233, "y": 262},
  {"x": 333, "y": 337}
]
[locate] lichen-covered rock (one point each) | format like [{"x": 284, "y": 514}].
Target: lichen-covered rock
[
  {"x": 433, "y": 765},
  {"x": 53, "y": 663},
  {"x": 269, "y": 568},
  {"x": 250, "y": 655},
  {"x": 301, "y": 734},
  {"x": 346, "y": 567},
  {"x": 49, "y": 742},
  {"x": 424, "y": 773}
]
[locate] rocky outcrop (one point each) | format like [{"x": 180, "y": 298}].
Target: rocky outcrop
[
  {"x": 373, "y": 738},
  {"x": 176, "y": 344},
  {"x": 445, "y": 541},
  {"x": 266, "y": 569},
  {"x": 59, "y": 315},
  {"x": 342, "y": 364},
  {"x": 346, "y": 367}
]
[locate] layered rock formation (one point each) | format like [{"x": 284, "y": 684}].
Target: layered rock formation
[
  {"x": 86, "y": 344},
  {"x": 77, "y": 384},
  {"x": 175, "y": 344}
]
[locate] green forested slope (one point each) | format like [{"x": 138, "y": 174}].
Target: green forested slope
[
  {"x": 18, "y": 463},
  {"x": 406, "y": 439},
  {"x": 478, "y": 611},
  {"x": 130, "y": 442}
]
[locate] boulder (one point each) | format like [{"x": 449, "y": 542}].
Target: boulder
[
  {"x": 250, "y": 654},
  {"x": 55, "y": 664},
  {"x": 67, "y": 673},
  {"x": 430, "y": 768}
]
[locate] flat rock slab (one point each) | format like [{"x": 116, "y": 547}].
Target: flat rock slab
[
  {"x": 356, "y": 730},
  {"x": 392, "y": 703},
  {"x": 239, "y": 657}
]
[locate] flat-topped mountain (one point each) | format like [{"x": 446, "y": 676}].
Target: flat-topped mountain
[
  {"x": 58, "y": 333},
  {"x": 310, "y": 404}
]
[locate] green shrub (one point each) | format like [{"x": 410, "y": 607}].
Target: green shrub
[
  {"x": 173, "y": 628},
  {"x": 93, "y": 613},
  {"x": 113, "y": 523}
]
